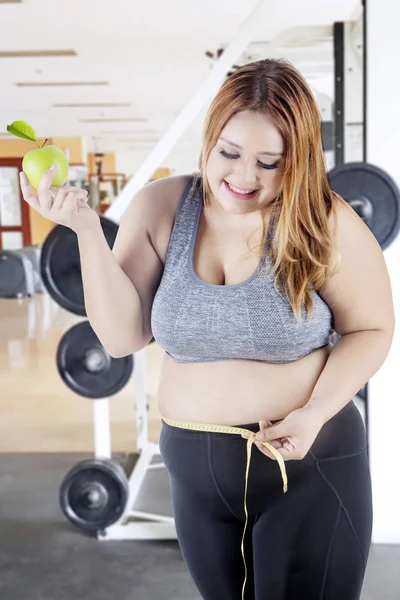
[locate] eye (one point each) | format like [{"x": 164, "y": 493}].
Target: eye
[
  {"x": 234, "y": 156},
  {"x": 274, "y": 166},
  {"x": 229, "y": 155}
]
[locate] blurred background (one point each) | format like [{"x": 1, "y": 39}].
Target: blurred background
[{"x": 122, "y": 87}]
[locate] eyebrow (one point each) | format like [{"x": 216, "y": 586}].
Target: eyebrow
[{"x": 240, "y": 148}]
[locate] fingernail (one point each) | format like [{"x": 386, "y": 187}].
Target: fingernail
[
  {"x": 53, "y": 168},
  {"x": 259, "y": 436}
]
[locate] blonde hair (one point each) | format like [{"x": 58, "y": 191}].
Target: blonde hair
[{"x": 301, "y": 244}]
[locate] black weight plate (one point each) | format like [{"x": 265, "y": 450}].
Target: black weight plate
[
  {"x": 60, "y": 265},
  {"x": 100, "y": 377},
  {"x": 373, "y": 192},
  {"x": 94, "y": 493},
  {"x": 12, "y": 274}
]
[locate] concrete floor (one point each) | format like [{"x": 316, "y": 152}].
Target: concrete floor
[{"x": 42, "y": 557}]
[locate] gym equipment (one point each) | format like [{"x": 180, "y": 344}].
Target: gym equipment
[
  {"x": 60, "y": 265},
  {"x": 86, "y": 368},
  {"x": 33, "y": 253},
  {"x": 132, "y": 523},
  {"x": 373, "y": 194},
  {"x": 16, "y": 275},
  {"x": 93, "y": 494},
  {"x": 135, "y": 523}
]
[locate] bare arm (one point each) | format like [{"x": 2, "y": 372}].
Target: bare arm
[{"x": 112, "y": 303}]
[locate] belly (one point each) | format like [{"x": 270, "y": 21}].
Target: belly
[{"x": 235, "y": 392}]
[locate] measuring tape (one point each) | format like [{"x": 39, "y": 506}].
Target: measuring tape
[{"x": 251, "y": 439}]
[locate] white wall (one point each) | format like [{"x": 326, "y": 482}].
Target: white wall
[{"x": 383, "y": 134}]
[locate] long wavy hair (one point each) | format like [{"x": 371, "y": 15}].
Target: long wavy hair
[{"x": 301, "y": 245}]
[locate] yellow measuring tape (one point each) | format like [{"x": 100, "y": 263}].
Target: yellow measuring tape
[{"x": 251, "y": 439}]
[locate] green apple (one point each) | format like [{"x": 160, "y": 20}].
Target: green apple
[{"x": 37, "y": 162}]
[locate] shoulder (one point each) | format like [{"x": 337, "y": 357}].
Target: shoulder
[
  {"x": 170, "y": 184},
  {"x": 348, "y": 230},
  {"x": 155, "y": 203},
  {"x": 167, "y": 190},
  {"x": 342, "y": 215},
  {"x": 163, "y": 197},
  {"x": 359, "y": 292}
]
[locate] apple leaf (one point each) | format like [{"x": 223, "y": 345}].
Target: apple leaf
[{"x": 23, "y": 130}]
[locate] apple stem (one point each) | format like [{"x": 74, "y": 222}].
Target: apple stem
[{"x": 44, "y": 142}]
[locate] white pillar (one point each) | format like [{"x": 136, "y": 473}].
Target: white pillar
[
  {"x": 353, "y": 92},
  {"x": 382, "y": 146}
]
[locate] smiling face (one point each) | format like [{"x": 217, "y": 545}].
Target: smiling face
[{"x": 248, "y": 169}]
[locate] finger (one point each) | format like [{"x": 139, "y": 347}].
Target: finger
[
  {"x": 290, "y": 453},
  {"x": 43, "y": 189},
  {"x": 82, "y": 203},
  {"x": 60, "y": 194},
  {"x": 276, "y": 432},
  {"x": 73, "y": 201},
  {"x": 276, "y": 443},
  {"x": 58, "y": 198},
  {"x": 284, "y": 452},
  {"x": 289, "y": 446},
  {"x": 27, "y": 195},
  {"x": 264, "y": 424}
]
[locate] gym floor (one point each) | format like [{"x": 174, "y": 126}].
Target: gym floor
[{"x": 45, "y": 429}]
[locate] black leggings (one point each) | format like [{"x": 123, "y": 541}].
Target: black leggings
[{"x": 311, "y": 543}]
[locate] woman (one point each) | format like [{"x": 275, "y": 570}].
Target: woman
[
  {"x": 240, "y": 353},
  {"x": 247, "y": 335}
]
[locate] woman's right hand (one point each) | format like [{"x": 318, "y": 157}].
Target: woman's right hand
[{"x": 65, "y": 205}]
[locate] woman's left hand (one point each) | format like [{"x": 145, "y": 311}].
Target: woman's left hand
[{"x": 292, "y": 437}]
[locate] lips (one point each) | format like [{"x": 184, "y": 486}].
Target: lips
[
  {"x": 241, "y": 189},
  {"x": 238, "y": 195}
]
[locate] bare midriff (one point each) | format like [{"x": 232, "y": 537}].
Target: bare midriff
[{"x": 235, "y": 392}]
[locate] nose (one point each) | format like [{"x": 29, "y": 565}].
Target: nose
[{"x": 246, "y": 175}]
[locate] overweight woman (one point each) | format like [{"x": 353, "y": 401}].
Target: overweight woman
[{"x": 243, "y": 272}]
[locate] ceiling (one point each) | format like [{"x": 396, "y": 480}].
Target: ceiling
[{"x": 118, "y": 72}]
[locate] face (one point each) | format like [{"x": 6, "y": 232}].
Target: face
[{"x": 255, "y": 167}]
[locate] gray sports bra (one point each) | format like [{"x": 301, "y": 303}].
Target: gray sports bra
[{"x": 196, "y": 321}]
